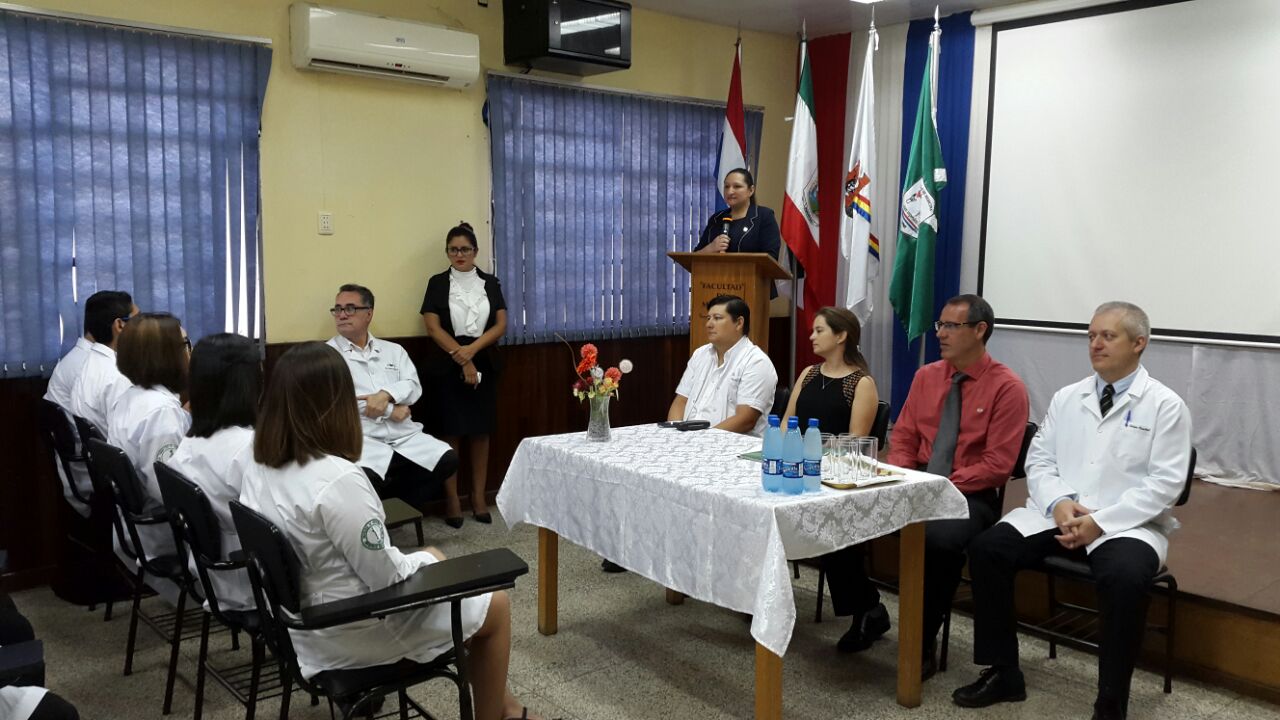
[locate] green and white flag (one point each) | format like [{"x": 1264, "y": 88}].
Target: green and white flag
[{"x": 911, "y": 290}]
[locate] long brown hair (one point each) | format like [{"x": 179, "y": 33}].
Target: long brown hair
[
  {"x": 309, "y": 410},
  {"x": 841, "y": 320},
  {"x": 152, "y": 352}
]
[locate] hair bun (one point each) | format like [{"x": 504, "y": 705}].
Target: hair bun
[{"x": 465, "y": 224}]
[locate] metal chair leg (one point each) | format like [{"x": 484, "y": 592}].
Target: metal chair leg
[
  {"x": 286, "y": 691},
  {"x": 106, "y": 616},
  {"x": 201, "y": 661},
  {"x": 822, "y": 584},
  {"x": 1053, "y": 608},
  {"x": 417, "y": 527},
  {"x": 174, "y": 643},
  {"x": 946, "y": 641},
  {"x": 404, "y": 704},
  {"x": 465, "y": 711},
  {"x": 235, "y": 638},
  {"x": 133, "y": 622},
  {"x": 1168, "y": 638},
  {"x": 255, "y": 677}
]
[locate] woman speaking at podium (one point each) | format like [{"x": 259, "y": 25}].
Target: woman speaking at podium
[{"x": 745, "y": 226}]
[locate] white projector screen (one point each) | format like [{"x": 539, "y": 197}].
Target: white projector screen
[{"x": 1134, "y": 154}]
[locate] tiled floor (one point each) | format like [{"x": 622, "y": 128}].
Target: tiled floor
[{"x": 622, "y": 652}]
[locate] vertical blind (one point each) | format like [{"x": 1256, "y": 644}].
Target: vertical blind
[
  {"x": 591, "y": 189},
  {"x": 128, "y": 161}
]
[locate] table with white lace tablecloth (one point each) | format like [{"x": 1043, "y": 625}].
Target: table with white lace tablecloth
[{"x": 682, "y": 509}]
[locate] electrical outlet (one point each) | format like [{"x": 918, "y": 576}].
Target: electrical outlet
[{"x": 325, "y": 226}]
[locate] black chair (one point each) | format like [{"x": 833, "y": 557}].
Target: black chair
[
  {"x": 196, "y": 532},
  {"x": 880, "y": 426},
  {"x": 104, "y": 500},
  {"x": 1019, "y": 472},
  {"x": 114, "y": 467},
  {"x": 1077, "y": 626},
  {"x": 56, "y": 428},
  {"x": 781, "y": 396},
  {"x": 275, "y": 572},
  {"x": 397, "y": 511}
]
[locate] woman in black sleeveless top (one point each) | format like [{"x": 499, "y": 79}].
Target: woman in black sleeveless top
[
  {"x": 842, "y": 396},
  {"x": 839, "y": 392}
]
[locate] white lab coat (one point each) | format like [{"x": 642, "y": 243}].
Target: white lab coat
[
  {"x": 17, "y": 703},
  {"x": 334, "y": 520},
  {"x": 715, "y": 390},
  {"x": 63, "y": 380},
  {"x": 217, "y": 464},
  {"x": 384, "y": 365},
  {"x": 99, "y": 387},
  {"x": 148, "y": 424},
  {"x": 1128, "y": 467}
]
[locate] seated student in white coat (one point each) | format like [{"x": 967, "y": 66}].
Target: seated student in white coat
[
  {"x": 101, "y": 311},
  {"x": 1103, "y": 474},
  {"x": 224, "y": 388},
  {"x": 413, "y": 465},
  {"x": 306, "y": 482},
  {"x": 729, "y": 382},
  {"x": 148, "y": 422},
  {"x": 100, "y": 384}
]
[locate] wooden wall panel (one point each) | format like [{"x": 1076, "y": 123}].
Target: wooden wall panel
[{"x": 30, "y": 494}]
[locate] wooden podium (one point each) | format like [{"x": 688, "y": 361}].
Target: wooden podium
[{"x": 747, "y": 275}]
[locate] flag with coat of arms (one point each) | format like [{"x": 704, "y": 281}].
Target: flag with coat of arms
[
  {"x": 800, "y": 208},
  {"x": 911, "y": 290},
  {"x": 859, "y": 248}
]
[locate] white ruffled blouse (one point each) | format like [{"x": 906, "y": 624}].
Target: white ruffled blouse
[{"x": 468, "y": 303}]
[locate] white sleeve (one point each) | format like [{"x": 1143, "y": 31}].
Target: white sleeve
[
  {"x": 758, "y": 385},
  {"x": 354, "y": 521},
  {"x": 408, "y": 388},
  {"x": 685, "y": 388},
  {"x": 1044, "y": 484},
  {"x": 158, "y": 437}
]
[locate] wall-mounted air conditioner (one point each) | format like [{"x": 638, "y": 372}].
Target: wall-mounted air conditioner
[{"x": 345, "y": 41}]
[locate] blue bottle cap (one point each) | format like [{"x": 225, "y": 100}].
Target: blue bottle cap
[
  {"x": 775, "y": 421},
  {"x": 793, "y": 422},
  {"x": 813, "y": 422}
]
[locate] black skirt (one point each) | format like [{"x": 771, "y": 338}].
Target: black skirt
[{"x": 452, "y": 406}]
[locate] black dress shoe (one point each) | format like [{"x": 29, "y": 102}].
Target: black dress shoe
[
  {"x": 993, "y": 686},
  {"x": 453, "y": 522},
  {"x": 1104, "y": 709},
  {"x": 610, "y": 566},
  {"x": 483, "y": 517},
  {"x": 865, "y": 630}
]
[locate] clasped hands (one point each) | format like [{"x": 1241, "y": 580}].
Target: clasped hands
[
  {"x": 1075, "y": 523},
  {"x": 375, "y": 406}
]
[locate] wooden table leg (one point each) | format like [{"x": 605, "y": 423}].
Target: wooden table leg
[
  {"x": 548, "y": 581},
  {"x": 768, "y": 684},
  {"x": 910, "y": 613},
  {"x": 675, "y": 597}
]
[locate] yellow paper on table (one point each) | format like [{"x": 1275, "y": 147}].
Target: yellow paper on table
[{"x": 881, "y": 476}]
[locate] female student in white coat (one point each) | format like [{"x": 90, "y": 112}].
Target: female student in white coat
[
  {"x": 305, "y": 480},
  {"x": 149, "y": 421},
  {"x": 225, "y": 386}
]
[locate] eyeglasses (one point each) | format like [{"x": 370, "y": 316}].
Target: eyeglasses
[
  {"x": 125, "y": 319},
  {"x": 464, "y": 250},
  {"x": 337, "y": 310},
  {"x": 940, "y": 325}
]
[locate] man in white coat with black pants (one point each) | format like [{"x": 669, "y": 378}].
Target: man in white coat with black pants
[
  {"x": 412, "y": 464},
  {"x": 1103, "y": 474}
]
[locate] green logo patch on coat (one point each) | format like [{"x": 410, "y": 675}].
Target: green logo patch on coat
[{"x": 373, "y": 536}]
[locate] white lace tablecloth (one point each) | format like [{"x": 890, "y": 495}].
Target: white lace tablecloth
[{"x": 682, "y": 509}]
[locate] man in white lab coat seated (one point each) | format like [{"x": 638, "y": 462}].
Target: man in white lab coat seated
[
  {"x": 1103, "y": 474},
  {"x": 729, "y": 382},
  {"x": 413, "y": 465},
  {"x": 100, "y": 313},
  {"x": 100, "y": 383}
]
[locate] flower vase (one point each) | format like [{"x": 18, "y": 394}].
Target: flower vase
[{"x": 598, "y": 425}]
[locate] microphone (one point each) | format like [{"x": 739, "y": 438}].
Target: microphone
[{"x": 724, "y": 227}]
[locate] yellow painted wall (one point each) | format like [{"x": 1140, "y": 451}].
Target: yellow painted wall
[{"x": 398, "y": 164}]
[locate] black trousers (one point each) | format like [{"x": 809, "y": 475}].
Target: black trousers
[
  {"x": 945, "y": 542},
  {"x": 53, "y": 707},
  {"x": 1123, "y": 568},
  {"x": 415, "y": 484}
]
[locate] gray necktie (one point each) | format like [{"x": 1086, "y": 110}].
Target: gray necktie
[{"x": 944, "y": 443}]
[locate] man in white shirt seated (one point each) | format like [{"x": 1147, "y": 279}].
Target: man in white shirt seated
[
  {"x": 729, "y": 382},
  {"x": 1103, "y": 474},
  {"x": 413, "y": 465},
  {"x": 100, "y": 382},
  {"x": 100, "y": 313}
]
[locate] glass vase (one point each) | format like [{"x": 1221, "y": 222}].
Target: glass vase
[{"x": 598, "y": 424}]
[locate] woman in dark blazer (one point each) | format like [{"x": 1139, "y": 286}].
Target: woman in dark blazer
[
  {"x": 751, "y": 227},
  {"x": 465, "y": 315}
]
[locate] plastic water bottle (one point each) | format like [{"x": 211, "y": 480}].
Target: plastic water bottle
[
  {"x": 771, "y": 463},
  {"x": 812, "y": 457},
  {"x": 793, "y": 458}
]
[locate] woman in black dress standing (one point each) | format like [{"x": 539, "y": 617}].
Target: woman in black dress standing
[{"x": 465, "y": 315}]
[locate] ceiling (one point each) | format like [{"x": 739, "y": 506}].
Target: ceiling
[{"x": 822, "y": 17}]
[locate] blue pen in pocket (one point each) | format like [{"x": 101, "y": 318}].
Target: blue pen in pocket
[{"x": 1127, "y": 416}]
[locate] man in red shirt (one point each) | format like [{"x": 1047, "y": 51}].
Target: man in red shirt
[{"x": 964, "y": 418}]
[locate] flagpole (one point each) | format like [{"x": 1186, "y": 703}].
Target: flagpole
[{"x": 795, "y": 280}]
